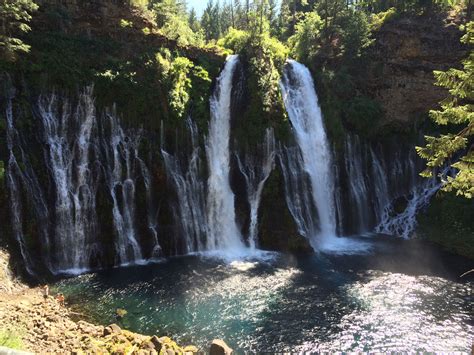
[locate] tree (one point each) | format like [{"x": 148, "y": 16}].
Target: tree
[
  {"x": 305, "y": 42},
  {"x": 226, "y": 17},
  {"x": 193, "y": 21},
  {"x": 210, "y": 21},
  {"x": 456, "y": 109},
  {"x": 14, "y": 18},
  {"x": 166, "y": 9}
]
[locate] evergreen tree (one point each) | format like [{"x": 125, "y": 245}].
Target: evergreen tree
[
  {"x": 225, "y": 17},
  {"x": 456, "y": 109},
  {"x": 210, "y": 21},
  {"x": 166, "y": 10},
  {"x": 14, "y": 18},
  {"x": 193, "y": 21}
]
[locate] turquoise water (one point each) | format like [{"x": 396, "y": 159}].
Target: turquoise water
[{"x": 397, "y": 296}]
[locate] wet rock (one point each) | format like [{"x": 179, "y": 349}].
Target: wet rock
[
  {"x": 112, "y": 329},
  {"x": 159, "y": 342},
  {"x": 190, "y": 349},
  {"x": 219, "y": 347},
  {"x": 148, "y": 345}
]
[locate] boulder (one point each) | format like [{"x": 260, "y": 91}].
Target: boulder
[
  {"x": 112, "y": 329},
  {"x": 219, "y": 347},
  {"x": 191, "y": 349},
  {"x": 159, "y": 342},
  {"x": 148, "y": 345}
]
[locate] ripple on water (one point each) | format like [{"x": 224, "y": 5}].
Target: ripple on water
[
  {"x": 321, "y": 304},
  {"x": 398, "y": 312}
]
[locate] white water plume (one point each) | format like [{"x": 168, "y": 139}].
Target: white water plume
[
  {"x": 224, "y": 233},
  {"x": 305, "y": 115},
  {"x": 256, "y": 172}
]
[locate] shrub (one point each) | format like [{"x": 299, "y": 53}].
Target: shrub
[{"x": 10, "y": 339}]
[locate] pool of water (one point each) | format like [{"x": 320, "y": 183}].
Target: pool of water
[{"x": 395, "y": 296}]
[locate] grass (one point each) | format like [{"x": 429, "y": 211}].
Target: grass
[{"x": 10, "y": 339}]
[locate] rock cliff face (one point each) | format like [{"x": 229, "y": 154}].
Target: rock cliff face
[
  {"x": 405, "y": 54},
  {"x": 114, "y": 19}
]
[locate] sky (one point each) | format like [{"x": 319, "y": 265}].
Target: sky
[{"x": 199, "y": 5}]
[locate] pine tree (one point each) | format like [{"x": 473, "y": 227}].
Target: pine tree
[
  {"x": 456, "y": 109},
  {"x": 14, "y": 18},
  {"x": 210, "y": 21},
  {"x": 193, "y": 21}
]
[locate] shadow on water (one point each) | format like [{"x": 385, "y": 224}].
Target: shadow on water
[{"x": 400, "y": 289}]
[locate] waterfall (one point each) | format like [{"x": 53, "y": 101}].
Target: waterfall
[
  {"x": 77, "y": 153},
  {"x": 403, "y": 224},
  {"x": 305, "y": 115},
  {"x": 358, "y": 182},
  {"x": 190, "y": 214},
  {"x": 298, "y": 191},
  {"x": 121, "y": 158},
  {"x": 377, "y": 182},
  {"x": 223, "y": 231},
  {"x": 379, "y": 178},
  {"x": 256, "y": 172},
  {"x": 152, "y": 213},
  {"x": 13, "y": 170},
  {"x": 68, "y": 138}
]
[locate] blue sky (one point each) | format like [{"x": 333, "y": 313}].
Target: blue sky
[{"x": 199, "y": 5}]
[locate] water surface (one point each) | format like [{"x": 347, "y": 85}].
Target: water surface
[{"x": 397, "y": 296}]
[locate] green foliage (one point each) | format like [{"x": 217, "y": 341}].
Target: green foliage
[
  {"x": 355, "y": 34},
  {"x": 174, "y": 23},
  {"x": 377, "y": 20},
  {"x": 305, "y": 43},
  {"x": 448, "y": 222},
  {"x": 362, "y": 114},
  {"x": 186, "y": 83},
  {"x": 14, "y": 18},
  {"x": 165, "y": 10},
  {"x": 411, "y": 6},
  {"x": 456, "y": 110},
  {"x": 346, "y": 35},
  {"x": 264, "y": 56},
  {"x": 141, "y": 4},
  {"x": 236, "y": 40},
  {"x": 210, "y": 21},
  {"x": 124, "y": 23},
  {"x": 10, "y": 339}
]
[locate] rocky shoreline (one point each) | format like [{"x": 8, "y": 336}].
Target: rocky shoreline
[{"x": 41, "y": 325}]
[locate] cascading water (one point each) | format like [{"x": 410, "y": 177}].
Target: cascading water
[
  {"x": 77, "y": 154},
  {"x": 305, "y": 115},
  {"x": 375, "y": 184},
  {"x": 256, "y": 172},
  {"x": 298, "y": 191},
  {"x": 68, "y": 138},
  {"x": 121, "y": 159},
  {"x": 152, "y": 213},
  {"x": 357, "y": 183},
  {"x": 66, "y": 202},
  {"x": 190, "y": 214},
  {"x": 403, "y": 224},
  {"x": 223, "y": 231},
  {"x": 13, "y": 171}
]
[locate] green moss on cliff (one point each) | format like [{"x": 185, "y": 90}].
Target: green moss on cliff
[{"x": 448, "y": 222}]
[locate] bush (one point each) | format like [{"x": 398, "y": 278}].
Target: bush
[
  {"x": 379, "y": 19},
  {"x": 10, "y": 339},
  {"x": 305, "y": 42},
  {"x": 362, "y": 114}
]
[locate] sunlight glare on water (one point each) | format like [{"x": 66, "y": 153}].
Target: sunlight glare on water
[
  {"x": 327, "y": 302},
  {"x": 395, "y": 313}
]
